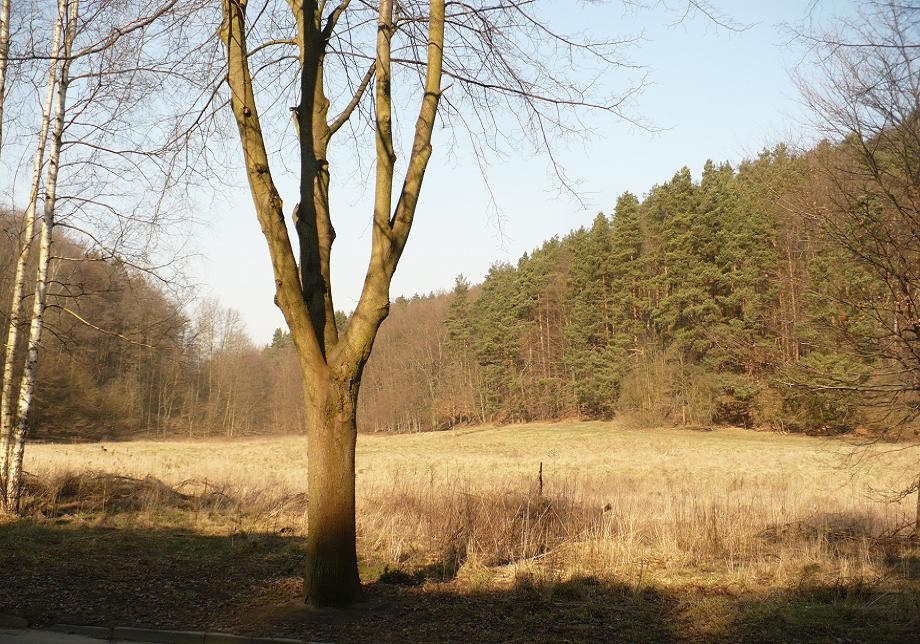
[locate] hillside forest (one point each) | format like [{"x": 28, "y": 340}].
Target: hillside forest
[{"x": 716, "y": 299}]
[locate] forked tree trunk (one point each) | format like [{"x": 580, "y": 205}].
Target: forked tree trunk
[
  {"x": 331, "y": 364},
  {"x": 7, "y": 416},
  {"x": 331, "y": 575}
]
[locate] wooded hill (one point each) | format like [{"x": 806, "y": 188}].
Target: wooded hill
[
  {"x": 715, "y": 299},
  {"x": 124, "y": 358},
  {"x": 712, "y": 300}
]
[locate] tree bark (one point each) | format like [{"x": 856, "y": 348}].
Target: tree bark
[
  {"x": 15, "y": 317},
  {"x": 4, "y": 56},
  {"x": 331, "y": 574},
  {"x": 68, "y": 9}
]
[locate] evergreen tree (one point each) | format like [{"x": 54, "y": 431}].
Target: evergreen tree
[
  {"x": 542, "y": 287},
  {"x": 629, "y": 276},
  {"x": 497, "y": 343},
  {"x": 594, "y": 361},
  {"x": 459, "y": 331},
  {"x": 281, "y": 339},
  {"x": 462, "y": 359}
]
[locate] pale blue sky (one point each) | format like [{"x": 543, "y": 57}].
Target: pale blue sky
[{"x": 715, "y": 94}]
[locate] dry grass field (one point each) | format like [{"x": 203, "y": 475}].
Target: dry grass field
[{"x": 637, "y": 535}]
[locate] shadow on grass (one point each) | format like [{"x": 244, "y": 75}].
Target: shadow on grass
[
  {"x": 172, "y": 578},
  {"x": 906, "y": 566},
  {"x": 55, "y": 571}
]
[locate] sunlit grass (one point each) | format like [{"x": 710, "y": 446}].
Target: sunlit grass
[
  {"x": 726, "y": 530},
  {"x": 731, "y": 507}
]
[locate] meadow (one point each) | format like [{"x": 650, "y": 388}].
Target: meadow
[{"x": 628, "y": 535}]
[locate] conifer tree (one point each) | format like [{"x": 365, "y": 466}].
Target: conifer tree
[
  {"x": 498, "y": 343},
  {"x": 460, "y": 335},
  {"x": 628, "y": 274},
  {"x": 593, "y": 358}
]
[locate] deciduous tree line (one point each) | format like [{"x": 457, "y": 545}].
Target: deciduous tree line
[{"x": 125, "y": 358}]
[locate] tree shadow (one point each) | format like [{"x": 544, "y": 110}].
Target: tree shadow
[
  {"x": 905, "y": 566},
  {"x": 575, "y": 610},
  {"x": 59, "y": 572},
  {"x": 72, "y": 572},
  {"x": 836, "y": 612}
]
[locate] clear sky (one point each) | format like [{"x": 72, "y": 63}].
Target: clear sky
[{"x": 714, "y": 94}]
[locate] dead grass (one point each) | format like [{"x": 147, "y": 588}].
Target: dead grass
[{"x": 712, "y": 517}]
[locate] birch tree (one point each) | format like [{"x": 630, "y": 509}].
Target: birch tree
[
  {"x": 357, "y": 64},
  {"x": 25, "y": 245},
  {"x": 112, "y": 179},
  {"x": 4, "y": 57},
  {"x": 68, "y": 11}
]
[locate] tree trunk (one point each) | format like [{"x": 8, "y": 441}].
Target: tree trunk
[
  {"x": 7, "y": 417},
  {"x": 4, "y": 56},
  {"x": 331, "y": 576},
  {"x": 30, "y": 371},
  {"x": 917, "y": 515}
]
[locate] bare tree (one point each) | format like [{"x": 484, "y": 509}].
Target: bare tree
[
  {"x": 113, "y": 179},
  {"x": 358, "y": 64},
  {"x": 67, "y": 11},
  {"x": 865, "y": 98},
  {"x": 7, "y": 416}
]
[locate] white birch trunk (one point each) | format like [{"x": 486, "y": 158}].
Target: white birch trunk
[
  {"x": 917, "y": 515},
  {"x": 4, "y": 56},
  {"x": 68, "y": 14},
  {"x": 15, "y": 316}
]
